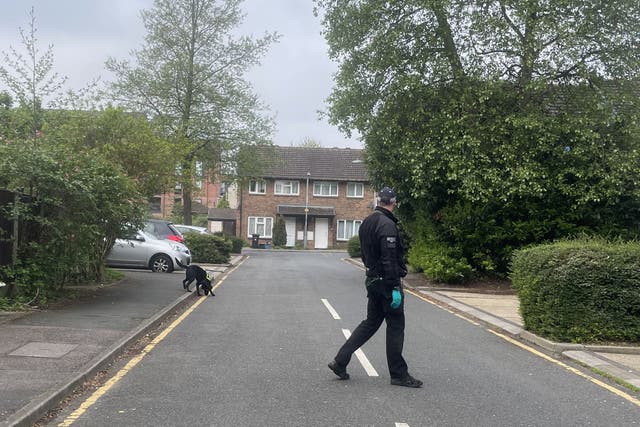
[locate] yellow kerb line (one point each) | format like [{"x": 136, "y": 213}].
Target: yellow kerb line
[
  {"x": 417, "y": 295},
  {"x": 134, "y": 361},
  {"x": 569, "y": 368},
  {"x": 544, "y": 356}
]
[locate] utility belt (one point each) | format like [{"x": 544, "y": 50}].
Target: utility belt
[{"x": 371, "y": 281}]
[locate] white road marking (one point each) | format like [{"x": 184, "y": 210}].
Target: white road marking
[
  {"x": 331, "y": 310},
  {"x": 368, "y": 367},
  {"x": 402, "y": 425}
]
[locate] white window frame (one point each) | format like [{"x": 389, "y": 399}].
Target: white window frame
[
  {"x": 325, "y": 185},
  {"x": 285, "y": 188},
  {"x": 345, "y": 223},
  {"x": 354, "y": 186},
  {"x": 253, "y": 223},
  {"x": 257, "y": 186}
]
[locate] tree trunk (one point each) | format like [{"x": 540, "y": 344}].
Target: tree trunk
[
  {"x": 444, "y": 31},
  {"x": 186, "y": 204},
  {"x": 11, "y": 286}
]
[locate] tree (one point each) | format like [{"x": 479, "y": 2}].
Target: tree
[
  {"x": 496, "y": 121},
  {"x": 31, "y": 79},
  {"x": 399, "y": 45},
  {"x": 78, "y": 204},
  {"x": 128, "y": 140},
  {"x": 188, "y": 79},
  {"x": 279, "y": 232},
  {"x": 5, "y": 115}
]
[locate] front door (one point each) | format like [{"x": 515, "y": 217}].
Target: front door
[
  {"x": 290, "y": 226},
  {"x": 321, "y": 237}
]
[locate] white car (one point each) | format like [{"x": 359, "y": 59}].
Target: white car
[{"x": 146, "y": 251}]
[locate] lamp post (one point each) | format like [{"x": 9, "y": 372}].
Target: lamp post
[{"x": 306, "y": 210}]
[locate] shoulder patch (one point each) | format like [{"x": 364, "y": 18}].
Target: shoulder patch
[{"x": 391, "y": 242}]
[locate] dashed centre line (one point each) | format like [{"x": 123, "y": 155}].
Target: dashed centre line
[
  {"x": 364, "y": 361},
  {"x": 333, "y": 312},
  {"x": 368, "y": 367}
]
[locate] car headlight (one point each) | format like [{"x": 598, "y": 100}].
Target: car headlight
[{"x": 180, "y": 248}]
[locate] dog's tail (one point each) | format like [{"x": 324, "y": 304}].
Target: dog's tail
[{"x": 180, "y": 264}]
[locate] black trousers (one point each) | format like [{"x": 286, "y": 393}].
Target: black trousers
[{"x": 379, "y": 309}]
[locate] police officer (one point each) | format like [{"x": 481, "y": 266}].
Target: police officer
[{"x": 382, "y": 254}]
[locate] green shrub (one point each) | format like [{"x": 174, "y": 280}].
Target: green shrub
[
  {"x": 438, "y": 262},
  {"x": 76, "y": 206},
  {"x": 279, "y": 232},
  {"x": 353, "y": 247},
  {"x": 237, "y": 243},
  {"x": 208, "y": 249},
  {"x": 581, "y": 290}
]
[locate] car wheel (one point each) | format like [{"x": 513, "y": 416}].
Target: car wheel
[{"x": 161, "y": 264}]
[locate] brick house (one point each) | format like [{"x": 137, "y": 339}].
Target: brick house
[
  {"x": 205, "y": 195},
  {"x": 328, "y": 188}
]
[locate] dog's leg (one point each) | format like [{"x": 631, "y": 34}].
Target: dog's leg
[
  {"x": 189, "y": 284},
  {"x": 198, "y": 288}
]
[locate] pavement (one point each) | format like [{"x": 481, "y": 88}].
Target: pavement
[{"x": 45, "y": 355}]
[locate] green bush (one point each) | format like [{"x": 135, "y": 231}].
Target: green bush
[
  {"x": 353, "y": 247},
  {"x": 76, "y": 206},
  {"x": 279, "y": 232},
  {"x": 435, "y": 259},
  {"x": 581, "y": 290},
  {"x": 237, "y": 243},
  {"x": 208, "y": 249},
  {"x": 516, "y": 177},
  {"x": 438, "y": 262}
]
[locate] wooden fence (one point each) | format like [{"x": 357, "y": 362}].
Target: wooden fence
[{"x": 6, "y": 228}]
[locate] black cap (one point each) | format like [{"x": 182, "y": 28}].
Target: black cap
[{"x": 387, "y": 195}]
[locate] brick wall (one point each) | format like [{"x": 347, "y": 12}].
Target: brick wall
[{"x": 208, "y": 197}]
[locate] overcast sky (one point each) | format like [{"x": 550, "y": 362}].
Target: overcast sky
[{"x": 294, "y": 79}]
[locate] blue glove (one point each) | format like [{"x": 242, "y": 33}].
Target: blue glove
[{"x": 396, "y": 298}]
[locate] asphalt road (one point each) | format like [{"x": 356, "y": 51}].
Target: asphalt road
[{"x": 256, "y": 355}]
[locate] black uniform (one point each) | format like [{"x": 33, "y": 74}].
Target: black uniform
[{"x": 383, "y": 257}]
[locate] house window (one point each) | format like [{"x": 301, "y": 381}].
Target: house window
[
  {"x": 325, "y": 189},
  {"x": 355, "y": 189},
  {"x": 289, "y": 188},
  {"x": 260, "y": 225},
  {"x": 257, "y": 187},
  {"x": 347, "y": 228}
]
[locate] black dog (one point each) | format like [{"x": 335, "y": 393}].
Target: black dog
[{"x": 201, "y": 277}]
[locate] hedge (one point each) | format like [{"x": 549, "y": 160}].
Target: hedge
[
  {"x": 353, "y": 247},
  {"x": 581, "y": 290},
  {"x": 208, "y": 249}
]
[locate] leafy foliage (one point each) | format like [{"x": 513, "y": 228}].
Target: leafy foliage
[
  {"x": 206, "y": 248},
  {"x": 436, "y": 259},
  {"x": 237, "y": 243},
  {"x": 583, "y": 290},
  {"x": 75, "y": 205},
  {"x": 31, "y": 78},
  {"x": 279, "y": 232},
  {"x": 353, "y": 247},
  {"x": 498, "y": 124},
  {"x": 188, "y": 78}
]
